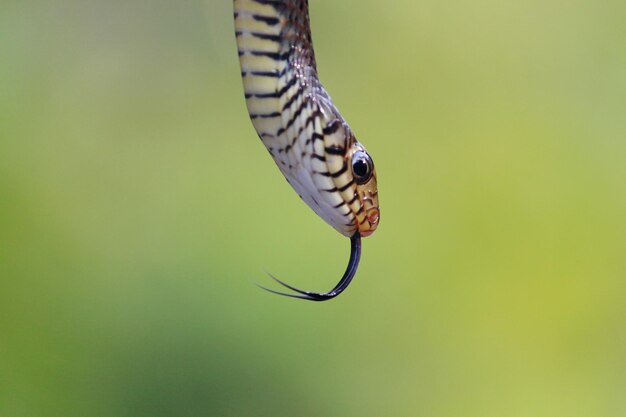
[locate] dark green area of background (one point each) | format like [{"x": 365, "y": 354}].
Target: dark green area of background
[{"x": 137, "y": 208}]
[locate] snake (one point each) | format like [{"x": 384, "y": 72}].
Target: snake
[{"x": 295, "y": 118}]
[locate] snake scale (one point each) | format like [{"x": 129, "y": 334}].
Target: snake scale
[{"x": 303, "y": 131}]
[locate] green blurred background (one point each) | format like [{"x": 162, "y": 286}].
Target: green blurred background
[{"x": 138, "y": 207}]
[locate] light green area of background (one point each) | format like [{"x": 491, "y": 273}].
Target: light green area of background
[{"x": 137, "y": 208}]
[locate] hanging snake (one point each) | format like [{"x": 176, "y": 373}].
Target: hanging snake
[{"x": 300, "y": 126}]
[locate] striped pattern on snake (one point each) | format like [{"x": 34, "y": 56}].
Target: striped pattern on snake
[
  {"x": 296, "y": 119},
  {"x": 300, "y": 126}
]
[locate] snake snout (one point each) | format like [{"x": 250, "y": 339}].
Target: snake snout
[{"x": 369, "y": 225}]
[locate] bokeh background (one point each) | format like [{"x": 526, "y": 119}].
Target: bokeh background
[{"x": 138, "y": 207}]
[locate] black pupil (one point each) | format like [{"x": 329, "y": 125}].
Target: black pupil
[{"x": 360, "y": 168}]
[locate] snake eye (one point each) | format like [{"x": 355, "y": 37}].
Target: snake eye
[{"x": 362, "y": 167}]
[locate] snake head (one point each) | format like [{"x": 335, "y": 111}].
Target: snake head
[
  {"x": 364, "y": 201},
  {"x": 338, "y": 180}
]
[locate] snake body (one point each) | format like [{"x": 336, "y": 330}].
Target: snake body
[{"x": 296, "y": 119}]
